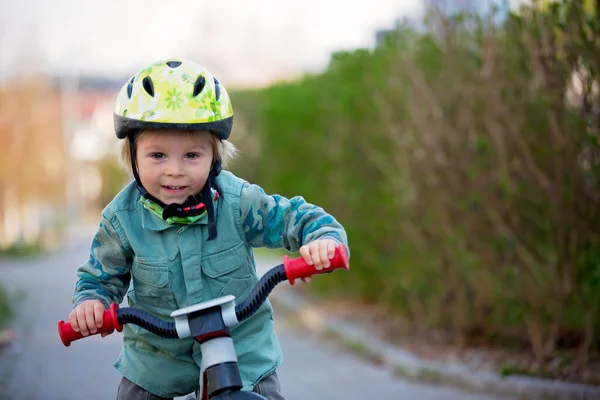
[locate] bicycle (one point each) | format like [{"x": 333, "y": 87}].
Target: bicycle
[{"x": 209, "y": 322}]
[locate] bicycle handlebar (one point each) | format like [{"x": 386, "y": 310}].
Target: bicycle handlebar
[
  {"x": 110, "y": 322},
  {"x": 298, "y": 268},
  {"x": 291, "y": 269}
]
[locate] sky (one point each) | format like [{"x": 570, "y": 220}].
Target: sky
[{"x": 244, "y": 42}]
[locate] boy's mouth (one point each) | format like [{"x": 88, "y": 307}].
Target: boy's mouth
[{"x": 173, "y": 189}]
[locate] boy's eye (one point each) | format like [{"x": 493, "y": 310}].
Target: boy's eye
[
  {"x": 192, "y": 155},
  {"x": 157, "y": 155}
]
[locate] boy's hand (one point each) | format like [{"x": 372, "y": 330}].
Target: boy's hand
[
  {"x": 87, "y": 317},
  {"x": 318, "y": 253}
]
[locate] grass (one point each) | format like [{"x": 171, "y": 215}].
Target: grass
[
  {"x": 357, "y": 347},
  {"x": 5, "y": 308},
  {"x": 21, "y": 251}
]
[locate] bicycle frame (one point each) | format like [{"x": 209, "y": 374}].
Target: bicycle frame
[{"x": 209, "y": 323}]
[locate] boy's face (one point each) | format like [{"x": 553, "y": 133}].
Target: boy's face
[{"x": 174, "y": 165}]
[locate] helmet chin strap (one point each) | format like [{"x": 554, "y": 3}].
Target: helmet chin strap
[{"x": 193, "y": 205}]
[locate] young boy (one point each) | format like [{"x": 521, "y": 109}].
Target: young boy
[{"x": 183, "y": 232}]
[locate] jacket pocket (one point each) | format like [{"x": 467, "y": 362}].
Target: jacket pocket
[
  {"x": 229, "y": 272},
  {"x": 151, "y": 282}
]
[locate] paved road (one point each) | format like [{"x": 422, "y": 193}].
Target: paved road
[{"x": 38, "y": 366}]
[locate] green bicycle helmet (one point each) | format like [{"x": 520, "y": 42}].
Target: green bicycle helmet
[{"x": 175, "y": 94}]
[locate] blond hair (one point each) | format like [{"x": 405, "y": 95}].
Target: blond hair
[{"x": 221, "y": 148}]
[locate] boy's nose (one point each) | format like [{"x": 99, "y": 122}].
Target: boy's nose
[{"x": 174, "y": 168}]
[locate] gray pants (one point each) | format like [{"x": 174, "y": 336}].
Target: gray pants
[{"x": 269, "y": 387}]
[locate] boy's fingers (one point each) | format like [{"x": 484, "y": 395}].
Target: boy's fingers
[
  {"x": 81, "y": 321},
  {"x": 99, "y": 314},
  {"x": 331, "y": 246},
  {"x": 73, "y": 320},
  {"x": 324, "y": 255},
  {"x": 90, "y": 320},
  {"x": 316, "y": 257},
  {"x": 305, "y": 253}
]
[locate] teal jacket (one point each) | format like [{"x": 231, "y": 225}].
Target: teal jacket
[{"x": 163, "y": 267}]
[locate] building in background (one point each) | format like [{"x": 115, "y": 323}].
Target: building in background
[{"x": 54, "y": 133}]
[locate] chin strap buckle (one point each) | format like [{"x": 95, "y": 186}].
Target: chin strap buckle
[{"x": 177, "y": 210}]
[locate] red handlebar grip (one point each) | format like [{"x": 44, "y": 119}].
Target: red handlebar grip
[
  {"x": 109, "y": 324},
  {"x": 297, "y": 268}
]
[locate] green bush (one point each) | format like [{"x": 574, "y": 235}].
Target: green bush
[{"x": 463, "y": 163}]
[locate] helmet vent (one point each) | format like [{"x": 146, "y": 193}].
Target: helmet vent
[
  {"x": 217, "y": 90},
  {"x": 130, "y": 87},
  {"x": 173, "y": 64},
  {"x": 148, "y": 85},
  {"x": 199, "y": 85}
]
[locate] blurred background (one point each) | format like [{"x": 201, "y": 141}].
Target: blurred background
[{"x": 457, "y": 141}]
